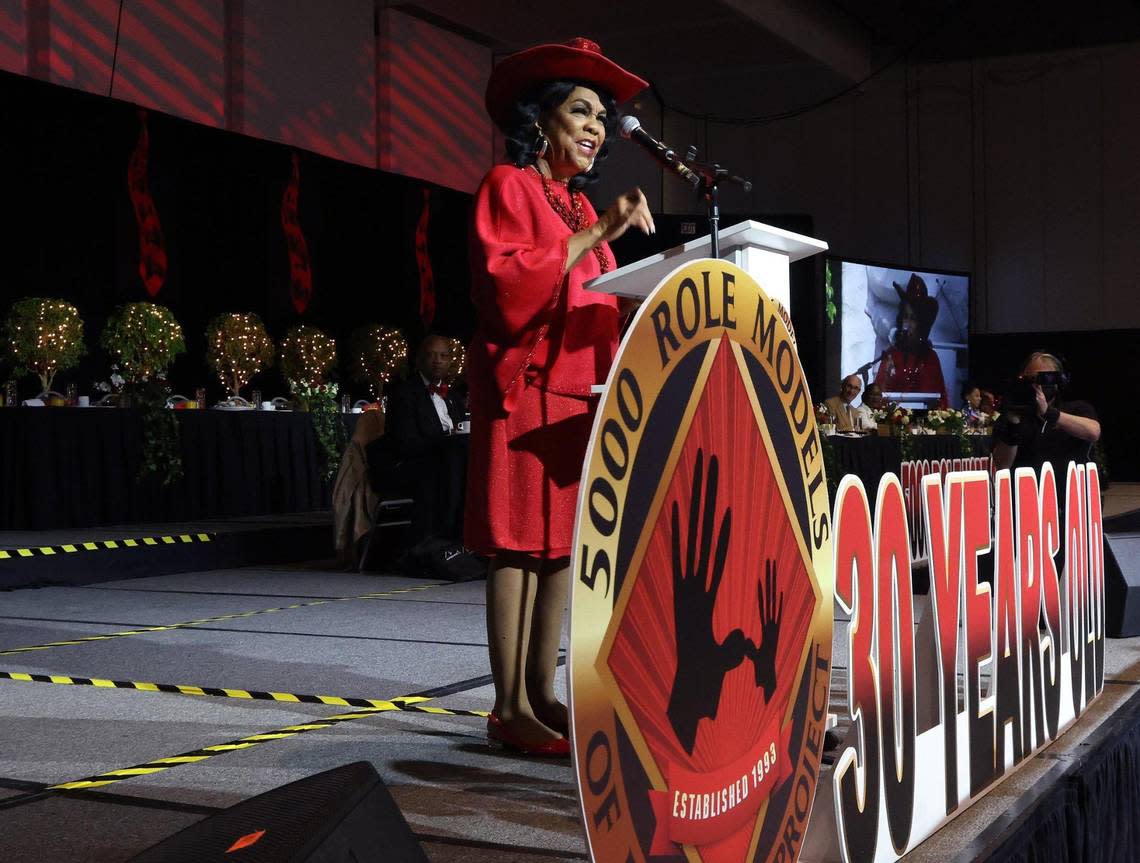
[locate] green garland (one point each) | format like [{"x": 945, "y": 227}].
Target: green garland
[
  {"x": 828, "y": 293},
  {"x": 965, "y": 444},
  {"x": 830, "y": 464},
  {"x": 321, "y": 400},
  {"x": 145, "y": 339},
  {"x": 162, "y": 440}
]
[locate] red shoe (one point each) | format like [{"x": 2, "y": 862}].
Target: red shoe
[{"x": 497, "y": 732}]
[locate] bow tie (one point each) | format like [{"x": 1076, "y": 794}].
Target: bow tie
[{"x": 441, "y": 389}]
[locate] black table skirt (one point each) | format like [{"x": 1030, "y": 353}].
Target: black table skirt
[
  {"x": 871, "y": 457},
  {"x": 78, "y": 467}
]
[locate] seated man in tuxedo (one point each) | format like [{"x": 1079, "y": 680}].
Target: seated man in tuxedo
[
  {"x": 422, "y": 454},
  {"x": 841, "y": 407}
]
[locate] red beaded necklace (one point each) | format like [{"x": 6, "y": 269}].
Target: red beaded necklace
[{"x": 574, "y": 216}]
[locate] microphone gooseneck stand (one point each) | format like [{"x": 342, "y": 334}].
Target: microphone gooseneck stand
[
  {"x": 705, "y": 177},
  {"x": 702, "y": 176},
  {"x": 712, "y": 175}
]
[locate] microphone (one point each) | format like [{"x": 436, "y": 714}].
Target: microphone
[{"x": 631, "y": 129}]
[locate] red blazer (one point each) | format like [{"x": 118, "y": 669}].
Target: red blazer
[{"x": 536, "y": 324}]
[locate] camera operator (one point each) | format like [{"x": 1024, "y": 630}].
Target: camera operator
[{"x": 1036, "y": 427}]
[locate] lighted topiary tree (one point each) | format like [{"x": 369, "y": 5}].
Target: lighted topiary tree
[
  {"x": 237, "y": 348},
  {"x": 307, "y": 356},
  {"x": 458, "y": 359},
  {"x": 43, "y": 336},
  {"x": 378, "y": 354},
  {"x": 145, "y": 339}
]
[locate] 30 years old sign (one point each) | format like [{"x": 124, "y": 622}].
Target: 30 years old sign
[{"x": 706, "y": 561}]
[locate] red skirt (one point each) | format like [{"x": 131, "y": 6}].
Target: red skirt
[{"x": 523, "y": 473}]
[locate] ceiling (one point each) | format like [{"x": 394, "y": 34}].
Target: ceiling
[{"x": 752, "y": 58}]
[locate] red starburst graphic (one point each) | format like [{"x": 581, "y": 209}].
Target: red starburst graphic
[{"x": 761, "y": 540}]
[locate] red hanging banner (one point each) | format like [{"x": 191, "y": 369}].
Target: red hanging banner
[
  {"x": 152, "y": 244},
  {"x": 423, "y": 262},
  {"x": 300, "y": 273}
]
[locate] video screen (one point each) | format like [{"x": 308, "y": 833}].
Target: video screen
[{"x": 906, "y": 330}]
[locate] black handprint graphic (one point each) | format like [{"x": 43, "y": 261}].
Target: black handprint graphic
[
  {"x": 701, "y": 662},
  {"x": 771, "y": 614}
]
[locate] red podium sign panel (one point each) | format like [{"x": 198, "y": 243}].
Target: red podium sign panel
[{"x": 702, "y": 603}]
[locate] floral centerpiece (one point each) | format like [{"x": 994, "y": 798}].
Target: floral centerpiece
[
  {"x": 378, "y": 355},
  {"x": 43, "y": 336},
  {"x": 899, "y": 419},
  {"x": 145, "y": 339},
  {"x": 307, "y": 358},
  {"x": 946, "y": 421},
  {"x": 823, "y": 415},
  {"x": 237, "y": 348}
]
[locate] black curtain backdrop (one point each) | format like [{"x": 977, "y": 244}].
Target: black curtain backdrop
[
  {"x": 804, "y": 276},
  {"x": 218, "y": 196},
  {"x": 72, "y": 235}
]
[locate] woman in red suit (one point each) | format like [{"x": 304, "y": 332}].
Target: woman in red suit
[{"x": 541, "y": 342}]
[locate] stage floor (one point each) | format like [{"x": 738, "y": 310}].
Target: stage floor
[{"x": 464, "y": 800}]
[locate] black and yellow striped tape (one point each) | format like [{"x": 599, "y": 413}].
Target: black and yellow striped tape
[
  {"x": 407, "y": 703},
  {"x": 161, "y": 764},
  {"x": 104, "y": 545},
  {"x": 222, "y": 617}
]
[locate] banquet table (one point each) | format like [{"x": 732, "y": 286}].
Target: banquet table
[
  {"x": 869, "y": 457},
  {"x": 78, "y": 467}
]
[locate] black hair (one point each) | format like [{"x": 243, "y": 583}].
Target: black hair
[
  {"x": 522, "y": 136},
  {"x": 422, "y": 343},
  {"x": 924, "y": 314},
  {"x": 968, "y": 387}
]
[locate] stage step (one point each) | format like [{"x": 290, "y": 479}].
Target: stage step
[{"x": 90, "y": 555}]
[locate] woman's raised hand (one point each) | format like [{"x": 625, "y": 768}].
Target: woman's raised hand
[{"x": 631, "y": 209}]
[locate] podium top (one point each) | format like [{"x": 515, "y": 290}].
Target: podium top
[{"x": 744, "y": 235}]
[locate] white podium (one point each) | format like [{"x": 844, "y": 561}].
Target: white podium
[{"x": 764, "y": 252}]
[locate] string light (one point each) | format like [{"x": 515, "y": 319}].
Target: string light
[
  {"x": 145, "y": 338},
  {"x": 44, "y": 336},
  {"x": 458, "y": 359},
  {"x": 378, "y": 355},
  {"x": 307, "y": 356},
  {"x": 238, "y": 348}
]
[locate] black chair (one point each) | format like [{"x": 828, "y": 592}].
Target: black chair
[{"x": 392, "y": 518}]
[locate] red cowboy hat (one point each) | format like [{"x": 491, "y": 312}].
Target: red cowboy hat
[
  {"x": 577, "y": 60},
  {"x": 925, "y": 306}
]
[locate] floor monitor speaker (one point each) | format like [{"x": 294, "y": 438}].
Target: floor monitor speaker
[
  {"x": 1122, "y": 584},
  {"x": 344, "y": 815}
]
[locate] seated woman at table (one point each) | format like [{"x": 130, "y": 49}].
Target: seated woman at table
[{"x": 971, "y": 402}]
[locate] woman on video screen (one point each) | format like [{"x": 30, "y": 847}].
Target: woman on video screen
[{"x": 910, "y": 364}]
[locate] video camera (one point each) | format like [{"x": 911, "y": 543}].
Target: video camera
[{"x": 1019, "y": 396}]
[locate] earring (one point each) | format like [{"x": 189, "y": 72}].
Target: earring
[{"x": 543, "y": 142}]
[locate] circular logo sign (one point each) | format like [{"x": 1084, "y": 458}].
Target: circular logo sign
[{"x": 702, "y": 599}]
